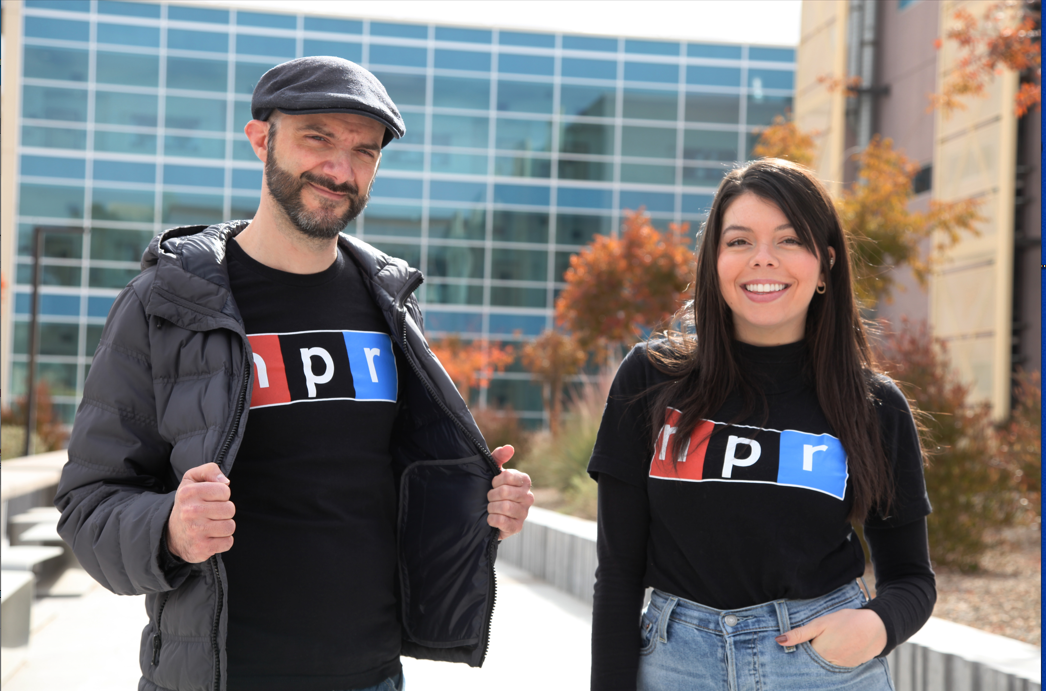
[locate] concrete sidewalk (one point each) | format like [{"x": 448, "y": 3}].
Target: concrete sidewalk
[{"x": 539, "y": 639}]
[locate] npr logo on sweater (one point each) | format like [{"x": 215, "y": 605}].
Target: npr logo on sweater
[
  {"x": 322, "y": 366},
  {"x": 751, "y": 454}
]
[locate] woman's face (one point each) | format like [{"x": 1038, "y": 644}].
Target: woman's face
[{"x": 766, "y": 274}]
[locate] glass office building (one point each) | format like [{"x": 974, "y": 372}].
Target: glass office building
[{"x": 519, "y": 148}]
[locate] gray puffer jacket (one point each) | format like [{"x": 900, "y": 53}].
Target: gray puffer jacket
[{"x": 169, "y": 389}]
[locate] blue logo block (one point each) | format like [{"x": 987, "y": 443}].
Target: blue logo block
[
  {"x": 816, "y": 462},
  {"x": 373, "y": 365}
]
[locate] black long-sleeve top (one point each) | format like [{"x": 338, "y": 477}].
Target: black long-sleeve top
[{"x": 756, "y": 513}]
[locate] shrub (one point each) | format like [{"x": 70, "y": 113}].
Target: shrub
[
  {"x": 1020, "y": 443},
  {"x": 50, "y": 434},
  {"x": 500, "y": 427}
]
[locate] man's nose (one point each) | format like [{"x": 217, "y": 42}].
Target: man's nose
[{"x": 339, "y": 168}]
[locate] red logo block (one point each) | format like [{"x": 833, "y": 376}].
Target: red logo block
[
  {"x": 270, "y": 376},
  {"x": 691, "y": 452}
]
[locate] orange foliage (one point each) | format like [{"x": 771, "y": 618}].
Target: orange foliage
[
  {"x": 1008, "y": 37},
  {"x": 616, "y": 286},
  {"x": 849, "y": 85},
  {"x": 784, "y": 139},
  {"x": 551, "y": 358},
  {"x": 471, "y": 364}
]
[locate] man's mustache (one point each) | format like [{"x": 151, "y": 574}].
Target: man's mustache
[{"x": 328, "y": 183}]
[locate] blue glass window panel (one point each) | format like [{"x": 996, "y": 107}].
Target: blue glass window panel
[
  {"x": 454, "y": 322},
  {"x": 68, "y": 64},
  {"x": 250, "y": 44},
  {"x": 648, "y": 174},
  {"x": 193, "y": 176},
  {"x": 588, "y": 69},
  {"x": 197, "y": 14},
  {"x": 184, "y": 113},
  {"x": 718, "y": 108},
  {"x": 901, "y": 4},
  {"x": 125, "y": 142},
  {"x": 99, "y": 305},
  {"x": 703, "y": 176},
  {"x": 519, "y": 38},
  {"x": 648, "y": 104},
  {"x": 707, "y": 50},
  {"x": 651, "y": 72},
  {"x": 393, "y": 219},
  {"x": 242, "y": 151},
  {"x": 111, "y": 277},
  {"x": 705, "y": 75},
  {"x": 586, "y": 138},
  {"x": 590, "y": 43},
  {"x": 461, "y": 92},
  {"x": 522, "y": 167},
  {"x": 522, "y": 194},
  {"x": 117, "y": 108},
  {"x": 248, "y": 74},
  {"x": 523, "y": 135},
  {"x": 243, "y": 207},
  {"x": 761, "y": 110},
  {"x": 452, "y": 294},
  {"x": 241, "y": 115},
  {"x": 589, "y": 101},
  {"x": 129, "y": 35},
  {"x": 578, "y": 229},
  {"x": 457, "y": 223},
  {"x": 697, "y": 203},
  {"x": 66, "y": 29},
  {"x": 193, "y": 147},
  {"x": 653, "y": 201},
  {"x": 341, "y": 49},
  {"x": 210, "y": 41},
  {"x": 455, "y": 191},
  {"x": 396, "y": 158},
  {"x": 65, "y": 5},
  {"x": 467, "y": 164},
  {"x": 471, "y": 60},
  {"x": 246, "y": 179},
  {"x": 595, "y": 171},
  {"x": 269, "y": 21},
  {"x": 129, "y": 9},
  {"x": 127, "y": 69},
  {"x": 447, "y": 33},
  {"x": 56, "y": 245},
  {"x": 508, "y": 296},
  {"x": 460, "y": 131},
  {"x": 455, "y": 262},
  {"x": 524, "y": 97},
  {"x": 50, "y": 103},
  {"x": 55, "y": 305},
  {"x": 401, "y": 188},
  {"x": 650, "y": 142},
  {"x": 197, "y": 74},
  {"x": 526, "y": 64},
  {"x": 398, "y": 55},
  {"x": 520, "y": 226},
  {"x": 771, "y": 54},
  {"x": 709, "y": 145},
  {"x": 53, "y": 167},
  {"x": 404, "y": 89},
  {"x": 584, "y": 198},
  {"x": 124, "y": 171},
  {"x": 519, "y": 265},
  {"x": 399, "y": 30},
  {"x": 415, "y": 124},
  {"x": 334, "y": 26},
  {"x": 651, "y": 47},
  {"x": 190, "y": 208},
  {"x": 51, "y": 200},
  {"x": 118, "y": 204},
  {"x": 513, "y": 393},
  {"x": 770, "y": 79},
  {"x": 54, "y": 137}
]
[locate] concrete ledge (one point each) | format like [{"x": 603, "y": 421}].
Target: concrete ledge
[
  {"x": 942, "y": 656},
  {"x": 28, "y": 474}
]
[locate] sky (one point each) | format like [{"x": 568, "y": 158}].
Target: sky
[{"x": 769, "y": 22}]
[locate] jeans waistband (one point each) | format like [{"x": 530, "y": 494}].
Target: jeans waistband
[{"x": 779, "y": 615}]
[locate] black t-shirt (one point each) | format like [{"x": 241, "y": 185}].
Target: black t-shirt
[
  {"x": 758, "y": 510},
  {"x": 312, "y": 571}
]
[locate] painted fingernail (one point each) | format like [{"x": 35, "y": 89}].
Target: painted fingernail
[{"x": 781, "y": 639}]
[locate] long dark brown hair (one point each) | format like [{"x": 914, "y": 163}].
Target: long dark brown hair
[{"x": 702, "y": 357}]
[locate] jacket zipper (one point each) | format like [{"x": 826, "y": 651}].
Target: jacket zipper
[
  {"x": 157, "y": 641},
  {"x": 492, "y": 588}
]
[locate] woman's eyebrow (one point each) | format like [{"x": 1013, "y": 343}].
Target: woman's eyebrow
[{"x": 738, "y": 226}]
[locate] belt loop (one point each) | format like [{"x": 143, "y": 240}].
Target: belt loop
[
  {"x": 662, "y": 622},
  {"x": 782, "y": 621}
]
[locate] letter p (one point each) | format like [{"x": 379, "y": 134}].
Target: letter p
[
  {"x": 730, "y": 459},
  {"x": 311, "y": 378}
]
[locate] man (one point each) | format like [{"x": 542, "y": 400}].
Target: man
[{"x": 266, "y": 446}]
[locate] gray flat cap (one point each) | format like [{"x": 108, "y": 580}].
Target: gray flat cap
[{"x": 326, "y": 84}]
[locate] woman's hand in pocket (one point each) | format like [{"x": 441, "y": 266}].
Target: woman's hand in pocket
[{"x": 847, "y": 638}]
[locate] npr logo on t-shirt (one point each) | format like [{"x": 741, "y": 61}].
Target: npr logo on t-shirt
[
  {"x": 751, "y": 454},
  {"x": 322, "y": 366}
]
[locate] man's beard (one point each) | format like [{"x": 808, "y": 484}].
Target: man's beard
[{"x": 324, "y": 223}]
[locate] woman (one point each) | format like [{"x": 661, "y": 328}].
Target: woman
[{"x": 733, "y": 458}]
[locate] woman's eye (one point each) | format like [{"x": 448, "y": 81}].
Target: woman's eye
[
  {"x": 736, "y": 242},
  {"x": 793, "y": 241}
]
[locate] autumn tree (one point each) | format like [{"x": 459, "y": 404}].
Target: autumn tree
[
  {"x": 784, "y": 139},
  {"x": 471, "y": 364},
  {"x": 552, "y": 357},
  {"x": 617, "y": 286}
]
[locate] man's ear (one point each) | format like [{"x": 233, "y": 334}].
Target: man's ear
[{"x": 257, "y": 132}]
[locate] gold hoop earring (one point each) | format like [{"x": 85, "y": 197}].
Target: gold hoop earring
[{"x": 821, "y": 288}]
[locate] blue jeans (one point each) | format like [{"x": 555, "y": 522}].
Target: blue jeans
[
  {"x": 688, "y": 646},
  {"x": 395, "y": 683}
]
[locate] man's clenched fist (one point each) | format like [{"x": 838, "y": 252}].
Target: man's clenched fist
[{"x": 201, "y": 522}]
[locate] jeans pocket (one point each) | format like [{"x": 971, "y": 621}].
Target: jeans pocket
[{"x": 830, "y": 666}]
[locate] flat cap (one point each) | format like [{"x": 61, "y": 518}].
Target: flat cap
[{"x": 326, "y": 84}]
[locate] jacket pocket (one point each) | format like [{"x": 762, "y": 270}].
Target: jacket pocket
[{"x": 444, "y": 561}]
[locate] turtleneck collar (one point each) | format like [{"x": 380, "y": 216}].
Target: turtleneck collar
[{"x": 776, "y": 368}]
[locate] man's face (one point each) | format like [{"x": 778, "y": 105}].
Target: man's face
[{"x": 324, "y": 162}]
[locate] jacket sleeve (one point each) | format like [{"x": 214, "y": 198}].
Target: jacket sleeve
[{"x": 116, "y": 490}]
